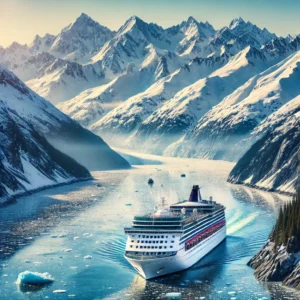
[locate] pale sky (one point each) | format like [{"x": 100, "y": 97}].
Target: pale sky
[{"x": 21, "y": 20}]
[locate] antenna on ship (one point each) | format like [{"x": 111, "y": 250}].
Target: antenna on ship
[{"x": 200, "y": 197}]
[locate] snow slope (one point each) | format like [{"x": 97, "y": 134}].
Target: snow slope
[
  {"x": 80, "y": 40},
  {"x": 150, "y": 86},
  {"x": 62, "y": 132},
  {"x": 276, "y": 152},
  {"x": 27, "y": 160},
  {"x": 217, "y": 133},
  {"x": 154, "y": 119},
  {"x": 99, "y": 55},
  {"x": 170, "y": 122},
  {"x": 42, "y": 44},
  {"x": 61, "y": 80},
  {"x": 89, "y": 106}
]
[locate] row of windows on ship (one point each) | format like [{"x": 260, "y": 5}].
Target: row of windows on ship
[
  {"x": 154, "y": 236},
  {"x": 151, "y": 242},
  {"x": 128, "y": 253},
  {"x": 151, "y": 247}
]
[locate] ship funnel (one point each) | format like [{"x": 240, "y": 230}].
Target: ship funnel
[{"x": 195, "y": 195}]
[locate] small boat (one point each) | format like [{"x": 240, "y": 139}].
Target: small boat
[
  {"x": 150, "y": 181},
  {"x": 182, "y": 175}
]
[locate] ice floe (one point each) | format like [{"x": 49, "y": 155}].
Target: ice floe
[
  {"x": 34, "y": 278},
  {"x": 59, "y": 291},
  {"x": 68, "y": 250},
  {"x": 173, "y": 295}
]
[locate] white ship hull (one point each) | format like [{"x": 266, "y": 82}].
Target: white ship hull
[{"x": 150, "y": 268}]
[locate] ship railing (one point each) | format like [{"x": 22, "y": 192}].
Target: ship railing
[
  {"x": 151, "y": 217},
  {"x": 134, "y": 230},
  {"x": 192, "y": 218},
  {"x": 149, "y": 256}
]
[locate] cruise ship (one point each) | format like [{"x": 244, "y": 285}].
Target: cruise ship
[{"x": 173, "y": 238}]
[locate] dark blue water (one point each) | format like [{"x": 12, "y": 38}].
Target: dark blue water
[{"x": 98, "y": 231}]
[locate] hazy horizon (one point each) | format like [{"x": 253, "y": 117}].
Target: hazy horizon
[{"x": 22, "y": 20}]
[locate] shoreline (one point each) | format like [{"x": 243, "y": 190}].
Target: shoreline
[
  {"x": 19, "y": 230},
  {"x": 263, "y": 189},
  {"x": 13, "y": 198},
  {"x": 271, "y": 265}
]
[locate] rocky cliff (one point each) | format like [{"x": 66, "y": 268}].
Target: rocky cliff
[{"x": 282, "y": 264}]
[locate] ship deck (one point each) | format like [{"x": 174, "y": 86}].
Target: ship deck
[{"x": 184, "y": 219}]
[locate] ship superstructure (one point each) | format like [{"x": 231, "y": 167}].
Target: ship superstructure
[{"x": 174, "y": 238}]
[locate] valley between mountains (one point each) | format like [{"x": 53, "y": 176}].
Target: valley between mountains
[{"x": 189, "y": 91}]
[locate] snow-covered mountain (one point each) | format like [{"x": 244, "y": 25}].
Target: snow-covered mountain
[
  {"x": 11, "y": 56},
  {"x": 276, "y": 152},
  {"x": 191, "y": 37},
  {"x": 170, "y": 107},
  {"x": 62, "y": 132},
  {"x": 165, "y": 90},
  {"x": 27, "y": 160},
  {"x": 33, "y": 66},
  {"x": 42, "y": 44},
  {"x": 126, "y": 118},
  {"x": 91, "y": 105},
  {"x": 170, "y": 122},
  {"x": 150, "y": 50},
  {"x": 53, "y": 65},
  {"x": 216, "y": 135},
  {"x": 136, "y": 43},
  {"x": 80, "y": 40},
  {"x": 234, "y": 38},
  {"x": 61, "y": 79}
]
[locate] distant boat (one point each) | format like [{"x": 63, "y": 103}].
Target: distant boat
[
  {"x": 150, "y": 181},
  {"x": 182, "y": 175}
]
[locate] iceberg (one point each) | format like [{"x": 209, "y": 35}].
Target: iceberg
[
  {"x": 34, "y": 278},
  {"x": 59, "y": 291}
]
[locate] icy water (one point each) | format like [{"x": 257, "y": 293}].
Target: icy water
[{"x": 96, "y": 231}]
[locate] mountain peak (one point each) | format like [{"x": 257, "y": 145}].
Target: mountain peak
[
  {"x": 132, "y": 22},
  {"x": 7, "y": 78},
  {"x": 236, "y": 22},
  {"x": 289, "y": 38},
  {"x": 191, "y": 20},
  {"x": 84, "y": 20},
  {"x": 134, "y": 18},
  {"x": 37, "y": 37},
  {"x": 84, "y": 16},
  {"x": 16, "y": 46}
]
